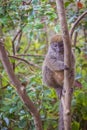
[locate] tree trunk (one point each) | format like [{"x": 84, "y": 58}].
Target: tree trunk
[
  {"x": 66, "y": 98},
  {"x": 20, "y": 89}
]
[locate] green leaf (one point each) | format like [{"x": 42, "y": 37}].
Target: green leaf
[
  {"x": 13, "y": 109},
  {"x": 84, "y": 65},
  {"x": 85, "y": 99},
  {"x": 39, "y": 26},
  {"x": 78, "y": 49},
  {"x": 4, "y": 128},
  {"x": 16, "y": 128},
  {"x": 57, "y": 28},
  {"x": 67, "y": 3},
  {"x": 22, "y": 123},
  {"x": 34, "y": 1},
  {"x": 6, "y": 120},
  {"x": 75, "y": 125},
  {"x": 78, "y": 76}
]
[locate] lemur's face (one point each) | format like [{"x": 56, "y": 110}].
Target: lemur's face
[{"x": 58, "y": 47}]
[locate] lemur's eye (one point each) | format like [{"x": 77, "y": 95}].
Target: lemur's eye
[{"x": 60, "y": 44}]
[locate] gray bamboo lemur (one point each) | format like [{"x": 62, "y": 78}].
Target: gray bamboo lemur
[{"x": 53, "y": 66}]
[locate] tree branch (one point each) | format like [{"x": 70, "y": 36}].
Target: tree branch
[
  {"x": 16, "y": 35},
  {"x": 27, "y": 62},
  {"x": 77, "y": 22},
  {"x": 27, "y": 3},
  {"x": 18, "y": 42},
  {"x": 14, "y": 40},
  {"x": 32, "y": 55},
  {"x": 13, "y": 45},
  {"x": 75, "y": 39},
  {"x": 27, "y": 47},
  {"x": 20, "y": 89}
]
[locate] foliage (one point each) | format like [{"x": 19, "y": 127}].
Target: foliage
[{"x": 38, "y": 21}]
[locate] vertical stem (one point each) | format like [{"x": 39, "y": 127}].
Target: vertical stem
[{"x": 66, "y": 98}]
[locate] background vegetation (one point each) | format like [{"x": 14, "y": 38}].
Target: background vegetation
[{"x": 26, "y": 28}]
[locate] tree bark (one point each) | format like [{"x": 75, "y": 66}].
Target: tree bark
[
  {"x": 66, "y": 97},
  {"x": 20, "y": 89}
]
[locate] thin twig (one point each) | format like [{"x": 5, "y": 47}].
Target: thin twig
[
  {"x": 18, "y": 42},
  {"x": 85, "y": 35},
  {"x": 27, "y": 47},
  {"x": 13, "y": 45},
  {"x": 16, "y": 35},
  {"x": 33, "y": 55},
  {"x": 27, "y": 3},
  {"x": 28, "y": 62},
  {"x": 77, "y": 22},
  {"x": 75, "y": 39}
]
